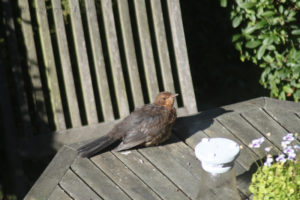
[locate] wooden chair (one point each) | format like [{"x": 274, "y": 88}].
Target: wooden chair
[{"x": 75, "y": 71}]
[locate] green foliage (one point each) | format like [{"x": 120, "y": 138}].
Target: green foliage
[
  {"x": 278, "y": 181},
  {"x": 6, "y": 197},
  {"x": 269, "y": 36}
]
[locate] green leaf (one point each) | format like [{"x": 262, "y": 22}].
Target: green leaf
[
  {"x": 244, "y": 5},
  {"x": 237, "y": 21},
  {"x": 236, "y": 37},
  {"x": 268, "y": 13},
  {"x": 288, "y": 89},
  {"x": 297, "y": 97},
  {"x": 253, "y": 44},
  {"x": 261, "y": 24},
  {"x": 268, "y": 41},
  {"x": 296, "y": 32},
  {"x": 271, "y": 47},
  {"x": 249, "y": 29},
  {"x": 281, "y": 9},
  {"x": 261, "y": 52},
  {"x": 268, "y": 58},
  {"x": 223, "y": 3},
  {"x": 238, "y": 46}
]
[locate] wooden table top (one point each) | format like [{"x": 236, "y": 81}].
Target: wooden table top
[{"x": 171, "y": 170}]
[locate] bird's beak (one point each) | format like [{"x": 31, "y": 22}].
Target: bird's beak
[{"x": 174, "y": 95}]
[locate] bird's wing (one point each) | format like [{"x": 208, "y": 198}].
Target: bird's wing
[{"x": 150, "y": 123}]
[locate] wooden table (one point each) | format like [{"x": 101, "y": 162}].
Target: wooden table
[{"x": 169, "y": 171}]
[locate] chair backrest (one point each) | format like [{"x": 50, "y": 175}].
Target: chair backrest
[{"x": 87, "y": 61}]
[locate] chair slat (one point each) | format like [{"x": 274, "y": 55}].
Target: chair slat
[
  {"x": 146, "y": 48},
  {"x": 50, "y": 67},
  {"x": 99, "y": 60},
  {"x": 17, "y": 69},
  {"x": 114, "y": 57},
  {"x": 33, "y": 68},
  {"x": 83, "y": 64},
  {"x": 66, "y": 64},
  {"x": 162, "y": 46},
  {"x": 181, "y": 56},
  {"x": 132, "y": 67}
]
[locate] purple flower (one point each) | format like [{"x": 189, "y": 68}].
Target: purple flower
[
  {"x": 281, "y": 158},
  {"x": 256, "y": 142},
  {"x": 285, "y": 143},
  {"x": 296, "y": 146},
  {"x": 268, "y": 162},
  {"x": 288, "y": 150},
  {"x": 288, "y": 137},
  {"x": 291, "y": 156}
]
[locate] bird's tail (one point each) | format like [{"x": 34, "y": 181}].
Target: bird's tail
[{"x": 95, "y": 146}]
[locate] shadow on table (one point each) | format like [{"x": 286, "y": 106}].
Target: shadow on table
[{"x": 187, "y": 126}]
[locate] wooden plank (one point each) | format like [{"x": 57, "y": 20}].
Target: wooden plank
[
  {"x": 122, "y": 176},
  {"x": 246, "y": 157},
  {"x": 58, "y": 193},
  {"x": 129, "y": 50},
  {"x": 193, "y": 138},
  {"x": 146, "y": 48},
  {"x": 67, "y": 72},
  {"x": 52, "y": 175},
  {"x": 287, "y": 119},
  {"x": 287, "y": 105},
  {"x": 162, "y": 46},
  {"x": 243, "y": 106},
  {"x": 178, "y": 163},
  {"x": 16, "y": 68},
  {"x": 114, "y": 57},
  {"x": 181, "y": 57},
  {"x": 265, "y": 124},
  {"x": 151, "y": 175},
  {"x": 76, "y": 188},
  {"x": 245, "y": 132},
  {"x": 97, "y": 180},
  {"x": 194, "y": 135},
  {"x": 191, "y": 129},
  {"x": 99, "y": 64},
  {"x": 33, "y": 68},
  {"x": 39, "y": 146},
  {"x": 50, "y": 66},
  {"x": 83, "y": 64}
]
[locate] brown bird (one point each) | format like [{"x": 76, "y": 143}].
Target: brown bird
[{"x": 148, "y": 125}]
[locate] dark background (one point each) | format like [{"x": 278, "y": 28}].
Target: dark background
[{"x": 219, "y": 77}]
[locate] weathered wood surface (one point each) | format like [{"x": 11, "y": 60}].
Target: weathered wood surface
[
  {"x": 60, "y": 194},
  {"x": 16, "y": 68},
  {"x": 52, "y": 175},
  {"x": 146, "y": 48},
  {"x": 96, "y": 63},
  {"x": 50, "y": 67},
  {"x": 129, "y": 51},
  {"x": 114, "y": 57},
  {"x": 170, "y": 171},
  {"x": 66, "y": 66},
  {"x": 83, "y": 63},
  {"x": 181, "y": 56},
  {"x": 33, "y": 68},
  {"x": 100, "y": 71}
]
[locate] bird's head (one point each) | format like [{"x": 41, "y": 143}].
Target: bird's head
[{"x": 165, "y": 99}]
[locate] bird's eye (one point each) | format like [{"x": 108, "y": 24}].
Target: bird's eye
[{"x": 164, "y": 98}]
